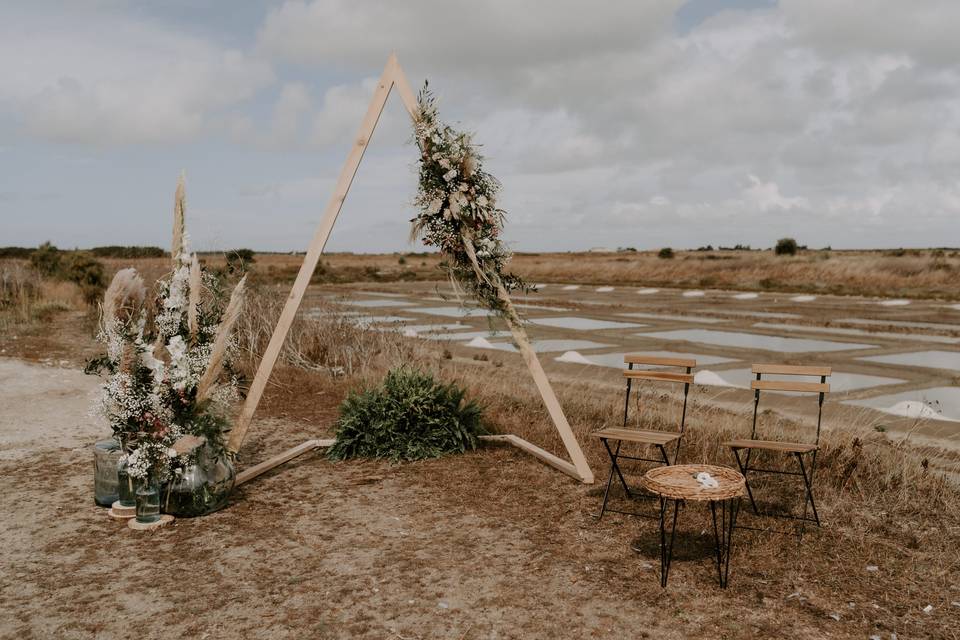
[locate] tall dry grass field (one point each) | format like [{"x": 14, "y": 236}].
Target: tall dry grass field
[{"x": 914, "y": 274}]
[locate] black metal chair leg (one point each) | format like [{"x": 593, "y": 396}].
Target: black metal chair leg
[
  {"x": 744, "y": 468},
  {"x": 808, "y": 483}
]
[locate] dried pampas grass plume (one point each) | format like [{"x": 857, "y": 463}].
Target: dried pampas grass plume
[
  {"x": 124, "y": 297},
  {"x": 179, "y": 225},
  {"x": 193, "y": 308},
  {"x": 220, "y": 343}
]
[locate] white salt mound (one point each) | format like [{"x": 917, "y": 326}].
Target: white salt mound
[
  {"x": 410, "y": 333},
  {"x": 745, "y": 296},
  {"x": 710, "y": 379},
  {"x": 604, "y": 289},
  {"x": 571, "y": 287},
  {"x": 693, "y": 294},
  {"x": 912, "y": 409},
  {"x": 895, "y": 303},
  {"x": 804, "y": 298},
  {"x": 955, "y": 307},
  {"x": 574, "y": 357},
  {"x": 480, "y": 343},
  {"x": 646, "y": 292}
]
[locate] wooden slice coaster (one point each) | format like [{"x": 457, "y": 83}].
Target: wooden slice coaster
[
  {"x": 120, "y": 512},
  {"x": 164, "y": 520}
]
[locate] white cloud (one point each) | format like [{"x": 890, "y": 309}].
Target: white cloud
[
  {"x": 767, "y": 196},
  {"x": 111, "y": 80}
]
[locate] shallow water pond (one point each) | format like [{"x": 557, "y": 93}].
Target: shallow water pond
[
  {"x": 932, "y": 359},
  {"x": 615, "y": 360},
  {"x": 753, "y": 341},
  {"x": 543, "y": 346},
  {"x": 378, "y": 303},
  {"x": 663, "y": 316},
  {"x": 453, "y": 312},
  {"x": 906, "y": 337},
  {"x": 584, "y": 324},
  {"x": 939, "y": 403},
  {"x": 840, "y": 381}
]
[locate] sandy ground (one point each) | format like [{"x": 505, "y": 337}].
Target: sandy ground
[{"x": 486, "y": 545}]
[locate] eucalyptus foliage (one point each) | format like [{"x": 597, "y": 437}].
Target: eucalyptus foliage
[{"x": 410, "y": 416}]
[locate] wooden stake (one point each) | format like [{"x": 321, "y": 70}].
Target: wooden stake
[
  {"x": 276, "y": 461},
  {"x": 319, "y": 241}
]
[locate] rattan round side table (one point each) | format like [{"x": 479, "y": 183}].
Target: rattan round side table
[{"x": 677, "y": 484}]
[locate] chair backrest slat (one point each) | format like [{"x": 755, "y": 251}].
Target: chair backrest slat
[
  {"x": 791, "y": 370},
  {"x": 658, "y": 376},
  {"x": 820, "y": 388},
  {"x": 790, "y": 385},
  {"x": 634, "y": 358}
]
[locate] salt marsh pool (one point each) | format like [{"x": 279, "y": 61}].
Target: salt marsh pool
[
  {"x": 840, "y": 381},
  {"x": 584, "y": 324},
  {"x": 942, "y": 403},
  {"x": 378, "y": 303},
  {"x": 859, "y": 332},
  {"x": 931, "y": 359},
  {"x": 659, "y": 316},
  {"x": 453, "y": 312},
  {"x": 753, "y": 341},
  {"x": 615, "y": 360},
  {"x": 545, "y": 346}
]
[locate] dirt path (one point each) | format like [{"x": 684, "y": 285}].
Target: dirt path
[{"x": 486, "y": 545}]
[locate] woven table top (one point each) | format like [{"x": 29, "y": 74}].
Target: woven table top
[{"x": 679, "y": 482}]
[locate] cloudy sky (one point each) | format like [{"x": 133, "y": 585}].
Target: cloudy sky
[{"x": 610, "y": 123}]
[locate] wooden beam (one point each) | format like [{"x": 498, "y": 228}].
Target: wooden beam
[
  {"x": 319, "y": 241},
  {"x": 546, "y": 391},
  {"x": 547, "y": 457},
  {"x": 277, "y": 460}
]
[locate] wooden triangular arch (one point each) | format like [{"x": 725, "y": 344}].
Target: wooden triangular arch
[{"x": 393, "y": 76}]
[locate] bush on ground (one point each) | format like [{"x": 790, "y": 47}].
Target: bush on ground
[
  {"x": 46, "y": 259},
  {"x": 239, "y": 260},
  {"x": 88, "y": 273},
  {"x": 786, "y": 247},
  {"x": 410, "y": 416},
  {"x": 666, "y": 253}
]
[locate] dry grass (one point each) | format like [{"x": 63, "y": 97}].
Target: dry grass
[
  {"x": 27, "y": 299},
  {"x": 881, "y": 500},
  {"x": 914, "y": 273},
  {"x": 476, "y": 518}
]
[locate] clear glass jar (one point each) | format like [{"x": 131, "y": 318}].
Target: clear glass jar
[
  {"x": 202, "y": 487},
  {"x": 148, "y": 499},
  {"x": 126, "y": 485},
  {"x": 106, "y": 455}
]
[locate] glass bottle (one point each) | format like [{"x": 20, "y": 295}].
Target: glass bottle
[{"x": 106, "y": 455}]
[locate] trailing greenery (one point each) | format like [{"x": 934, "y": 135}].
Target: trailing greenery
[
  {"x": 459, "y": 213},
  {"x": 410, "y": 416}
]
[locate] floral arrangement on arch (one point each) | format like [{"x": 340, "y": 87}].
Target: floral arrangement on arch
[
  {"x": 169, "y": 389},
  {"x": 459, "y": 213}
]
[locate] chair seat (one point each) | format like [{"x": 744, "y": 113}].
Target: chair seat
[
  {"x": 772, "y": 445},
  {"x": 637, "y": 435}
]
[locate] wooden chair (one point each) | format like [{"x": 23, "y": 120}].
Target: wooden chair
[
  {"x": 657, "y": 438},
  {"x": 798, "y": 450}
]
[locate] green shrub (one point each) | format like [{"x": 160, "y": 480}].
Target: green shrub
[
  {"x": 128, "y": 251},
  {"x": 666, "y": 253},
  {"x": 46, "y": 259},
  {"x": 83, "y": 269},
  {"x": 239, "y": 260},
  {"x": 410, "y": 416},
  {"x": 786, "y": 247}
]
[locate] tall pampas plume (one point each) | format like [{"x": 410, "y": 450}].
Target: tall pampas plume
[
  {"x": 220, "y": 343},
  {"x": 124, "y": 297},
  {"x": 179, "y": 225},
  {"x": 193, "y": 309}
]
